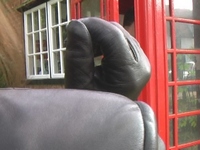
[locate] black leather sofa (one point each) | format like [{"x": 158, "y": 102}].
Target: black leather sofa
[{"x": 63, "y": 119}]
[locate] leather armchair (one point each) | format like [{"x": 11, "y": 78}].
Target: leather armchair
[{"x": 64, "y": 119}]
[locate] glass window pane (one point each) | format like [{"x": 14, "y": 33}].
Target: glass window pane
[
  {"x": 64, "y": 35},
  {"x": 171, "y": 100},
  {"x": 63, "y": 62},
  {"x": 188, "y": 9},
  {"x": 170, "y": 68},
  {"x": 37, "y": 43},
  {"x": 186, "y": 66},
  {"x": 55, "y": 36},
  {"x": 167, "y": 7},
  {"x": 30, "y": 44},
  {"x": 45, "y": 64},
  {"x": 54, "y": 14},
  {"x": 90, "y": 8},
  {"x": 169, "y": 35},
  {"x": 188, "y": 98},
  {"x": 57, "y": 65},
  {"x": 29, "y": 22},
  {"x": 31, "y": 65},
  {"x": 38, "y": 64},
  {"x": 171, "y": 132},
  {"x": 187, "y": 36},
  {"x": 63, "y": 10},
  {"x": 36, "y": 21},
  {"x": 188, "y": 129},
  {"x": 43, "y": 18},
  {"x": 44, "y": 41}
]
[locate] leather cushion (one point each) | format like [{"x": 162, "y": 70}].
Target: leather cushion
[{"x": 41, "y": 119}]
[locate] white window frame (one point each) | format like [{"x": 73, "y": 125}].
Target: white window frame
[{"x": 31, "y": 61}]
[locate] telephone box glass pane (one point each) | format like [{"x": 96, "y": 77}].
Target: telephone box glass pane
[
  {"x": 188, "y": 98},
  {"x": 90, "y": 8},
  {"x": 170, "y": 68},
  {"x": 171, "y": 132},
  {"x": 187, "y": 36},
  {"x": 171, "y": 100},
  {"x": 188, "y": 129},
  {"x": 196, "y": 147},
  {"x": 167, "y": 7},
  {"x": 184, "y": 35},
  {"x": 187, "y": 9},
  {"x": 169, "y": 35},
  {"x": 186, "y": 66}
]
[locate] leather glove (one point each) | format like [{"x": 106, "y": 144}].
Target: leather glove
[{"x": 124, "y": 67}]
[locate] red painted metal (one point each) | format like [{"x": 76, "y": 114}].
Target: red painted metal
[{"x": 113, "y": 10}]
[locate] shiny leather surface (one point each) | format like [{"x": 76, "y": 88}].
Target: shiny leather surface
[
  {"x": 124, "y": 69},
  {"x": 61, "y": 119}
]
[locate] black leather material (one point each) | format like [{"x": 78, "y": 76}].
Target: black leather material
[
  {"x": 61, "y": 119},
  {"x": 125, "y": 68}
]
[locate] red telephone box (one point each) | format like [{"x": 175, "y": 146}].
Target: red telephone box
[{"x": 169, "y": 33}]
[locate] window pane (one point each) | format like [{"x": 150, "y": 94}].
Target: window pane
[
  {"x": 63, "y": 62},
  {"x": 90, "y": 8},
  {"x": 169, "y": 35},
  {"x": 38, "y": 64},
  {"x": 171, "y": 100},
  {"x": 30, "y": 44},
  {"x": 37, "y": 43},
  {"x": 44, "y": 41},
  {"x": 188, "y": 98},
  {"x": 170, "y": 68},
  {"x": 186, "y": 66},
  {"x": 43, "y": 18},
  {"x": 64, "y": 35},
  {"x": 188, "y": 9},
  {"x": 36, "y": 21},
  {"x": 188, "y": 129},
  {"x": 171, "y": 132},
  {"x": 29, "y": 22},
  {"x": 54, "y": 14},
  {"x": 45, "y": 64},
  {"x": 187, "y": 36},
  {"x": 55, "y": 34},
  {"x": 63, "y": 10},
  {"x": 31, "y": 65},
  {"x": 57, "y": 65}
]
